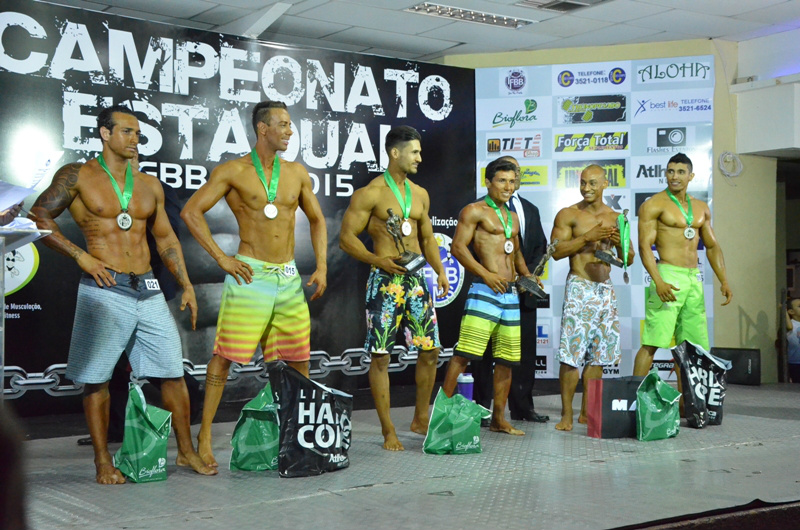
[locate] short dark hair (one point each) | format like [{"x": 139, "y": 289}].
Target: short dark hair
[
  {"x": 401, "y": 135},
  {"x": 262, "y": 110},
  {"x": 106, "y": 116},
  {"x": 680, "y": 158},
  {"x": 499, "y": 165}
]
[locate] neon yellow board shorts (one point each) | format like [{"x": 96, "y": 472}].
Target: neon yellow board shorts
[
  {"x": 685, "y": 318},
  {"x": 490, "y": 316},
  {"x": 271, "y": 310}
]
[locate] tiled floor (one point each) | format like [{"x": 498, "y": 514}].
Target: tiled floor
[{"x": 546, "y": 479}]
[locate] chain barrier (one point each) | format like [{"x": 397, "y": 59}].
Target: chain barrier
[{"x": 353, "y": 361}]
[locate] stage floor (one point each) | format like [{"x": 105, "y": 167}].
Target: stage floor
[{"x": 545, "y": 479}]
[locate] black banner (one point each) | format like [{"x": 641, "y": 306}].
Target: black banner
[{"x": 193, "y": 92}]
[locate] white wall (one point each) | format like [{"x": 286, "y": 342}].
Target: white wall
[{"x": 768, "y": 57}]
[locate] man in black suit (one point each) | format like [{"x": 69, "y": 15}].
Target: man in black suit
[{"x": 534, "y": 245}]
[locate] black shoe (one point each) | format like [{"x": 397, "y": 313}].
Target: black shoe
[
  {"x": 531, "y": 416},
  {"x": 88, "y": 440},
  {"x": 486, "y": 422}
]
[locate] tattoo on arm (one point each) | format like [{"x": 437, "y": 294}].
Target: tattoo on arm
[
  {"x": 215, "y": 380},
  {"x": 174, "y": 262}
]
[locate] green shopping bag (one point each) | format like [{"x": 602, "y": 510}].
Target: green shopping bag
[
  {"x": 455, "y": 426},
  {"x": 657, "y": 411},
  {"x": 256, "y": 435},
  {"x": 143, "y": 455}
]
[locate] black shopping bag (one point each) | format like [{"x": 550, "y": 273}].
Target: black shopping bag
[
  {"x": 611, "y": 407},
  {"x": 703, "y": 382},
  {"x": 314, "y": 424}
]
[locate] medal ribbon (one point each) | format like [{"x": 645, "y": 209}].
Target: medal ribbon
[
  {"x": 507, "y": 227},
  {"x": 625, "y": 238},
  {"x": 690, "y": 217},
  {"x": 124, "y": 197},
  {"x": 272, "y": 189},
  {"x": 405, "y": 201}
]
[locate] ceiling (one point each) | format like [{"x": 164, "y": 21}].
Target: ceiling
[{"x": 382, "y": 27}]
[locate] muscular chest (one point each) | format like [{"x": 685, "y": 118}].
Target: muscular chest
[
  {"x": 253, "y": 193},
  {"x": 586, "y": 221},
  {"x": 98, "y": 196},
  {"x": 388, "y": 199},
  {"x": 672, "y": 217},
  {"x": 492, "y": 224}
]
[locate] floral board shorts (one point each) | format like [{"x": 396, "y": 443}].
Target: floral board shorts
[{"x": 399, "y": 302}]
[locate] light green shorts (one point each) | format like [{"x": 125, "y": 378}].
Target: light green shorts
[{"x": 685, "y": 318}]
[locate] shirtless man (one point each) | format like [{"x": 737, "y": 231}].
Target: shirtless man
[
  {"x": 397, "y": 300},
  {"x": 270, "y": 308},
  {"x": 589, "y": 319},
  {"x": 120, "y": 305},
  {"x": 675, "y": 223},
  {"x": 492, "y": 307}
]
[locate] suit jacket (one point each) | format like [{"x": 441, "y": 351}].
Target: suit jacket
[{"x": 534, "y": 244}]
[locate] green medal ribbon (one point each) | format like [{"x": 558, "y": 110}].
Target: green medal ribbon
[
  {"x": 124, "y": 197},
  {"x": 625, "y": 240},
  {"x": 507, "y": 227},
  {"x": 272, "y": 189},
  {"x": 405, "y": 202},
  {"x": 690, "y": 216}
]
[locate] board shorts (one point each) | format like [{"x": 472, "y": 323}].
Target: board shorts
[
  {"x": 490, "y": 315},
  {"x": 271, "y": 311},
  {"x": 131, "y": 316},
  {"x": 399, "y": 302},
  {"x": 685, "y": 318},
  {"x": 589, "y": 324}
]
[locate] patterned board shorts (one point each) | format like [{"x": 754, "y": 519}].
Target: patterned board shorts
[
  {"x": 399, "y": 302},
  {"x": 589, "y": 324},
  {"x": 271, "y": 310},
  {"x": 489, "y": 315},
  {"x": 131, "y": 316}
]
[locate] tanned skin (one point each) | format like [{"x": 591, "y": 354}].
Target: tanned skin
[{"x": 85, "y": 190}]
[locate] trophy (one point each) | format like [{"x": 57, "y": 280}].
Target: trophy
[
  {"x": 624, "y": 232},
  {"x": 531, "y": 286},
  {"x": 410, "y": 260}
]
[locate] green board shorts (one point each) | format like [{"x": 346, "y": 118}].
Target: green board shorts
[{"x": 685, "y": 318}]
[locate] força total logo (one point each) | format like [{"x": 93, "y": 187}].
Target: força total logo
[
  {"x": 566, "y": 78},
  {"x": 452, "y": 268}
]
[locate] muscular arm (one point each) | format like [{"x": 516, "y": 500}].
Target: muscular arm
[
  {"x": 169, "y": 249},
  {"x": 353, "y": 223},
  {"x": 562, "y": 231},
  {"x": 715, "y": 258},
  {"x": 430, "y": 248},
  {"x": 319, "y": 235},
  {"x": 465, "y": 231},
  {"x": 52, "y": 203},
  {"x": 648, "y": 229},
  {"x": 519, "y": 259},
  {"x": 193, "y": 214}
]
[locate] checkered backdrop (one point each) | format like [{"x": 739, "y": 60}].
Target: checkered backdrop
[{"x": 629, "y": 117}]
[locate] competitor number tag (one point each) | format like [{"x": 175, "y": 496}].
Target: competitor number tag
[
  {"x": 151, "y": 284},
  {"x": 290, "y": 270}
]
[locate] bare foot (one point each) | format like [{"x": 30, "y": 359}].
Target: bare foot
[
  {"x": 419, "y": 426},
  {"x": 582, "y": 419},
  {"x": 504, "y": 426},
  {"x": 108, "y": 474},
  {"x": 565, "y": 424},
  {"x": 205, "y": 452},
  {"x": 197, "y": 463},
  {"x": 391, "y": 443}
]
